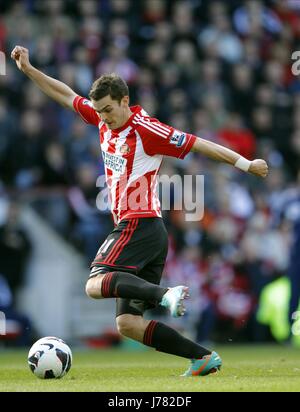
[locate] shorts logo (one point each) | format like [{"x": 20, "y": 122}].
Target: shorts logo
[
  {"x": 87, "y": 103},
  {"x": 124, "y": 149},
  {"x": 178, "y": 138}
]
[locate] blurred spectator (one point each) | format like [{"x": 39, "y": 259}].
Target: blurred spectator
[
  {"x": 18, "y": 328},
  {"x": 210, "y": 83},
  {"x": 288, "y": 12},
  {"x": 242, "y": 89},
  {"x": 290, "y": 211},
  {"x": 15, "y": 248},
  {"x": 255, "y": 18},
  {"x": 54, "y": 168},
  {"x": 220, "y": 37},
  {"x": 294, "y": 151},
  {"x": 294, "y": 269},
  {"x": 236, "y": 137},
  {"x": 154, "y": 11},
  {"x": 90, "y": 227},
  {"x": 26, "y": 153},
  {"x": 117, "y": 62}
]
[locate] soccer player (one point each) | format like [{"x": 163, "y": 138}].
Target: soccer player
[{"x": 129, "y": 264}]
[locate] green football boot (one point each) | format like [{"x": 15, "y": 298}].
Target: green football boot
[{"x": 204, "y": 366}]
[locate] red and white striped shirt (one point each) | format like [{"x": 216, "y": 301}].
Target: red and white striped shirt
[{"x": 132, "y": 157}]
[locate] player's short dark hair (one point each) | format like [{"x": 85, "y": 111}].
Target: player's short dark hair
[{"x": 109, "y": 84}]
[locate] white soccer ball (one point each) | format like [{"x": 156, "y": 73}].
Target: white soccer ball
[{"x": 50, "y": 358}]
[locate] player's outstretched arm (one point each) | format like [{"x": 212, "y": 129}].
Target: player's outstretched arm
[
  {"x": 220, "y": 153},
  {"x": 55, "y": 89}
]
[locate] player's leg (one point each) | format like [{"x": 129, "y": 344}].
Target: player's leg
[
  {"x": 132, "y": 326},
  {"x": 163, "y": 338},
  {"x": 159, "y": 336},
  {"x": 128, "y": 286}
]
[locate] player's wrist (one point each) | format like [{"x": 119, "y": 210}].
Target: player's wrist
[
  {"x": 27, "y": 69},
  {"x": 243, "y": 164}
]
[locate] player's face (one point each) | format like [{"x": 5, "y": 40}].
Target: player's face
[{"x": 112, "y": 112}]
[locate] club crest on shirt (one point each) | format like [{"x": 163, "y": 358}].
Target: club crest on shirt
[
  {"x": 124, "y": 149},
  {"x": 178, "y": 138},
  {"x": 87, "y": 103}
]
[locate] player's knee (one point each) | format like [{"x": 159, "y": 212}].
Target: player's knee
[
  {"x": 93, "y": 288},
  {"x": 126, "y": 325},
  {"x": 94, "y": 283}
]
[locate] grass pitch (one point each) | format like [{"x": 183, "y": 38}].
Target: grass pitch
[{"x": 245, "y": 368}]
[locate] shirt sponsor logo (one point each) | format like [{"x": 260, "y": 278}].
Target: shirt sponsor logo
[
  {"x": 178, "y": 138},
  {"x": 115, "y": 163}
]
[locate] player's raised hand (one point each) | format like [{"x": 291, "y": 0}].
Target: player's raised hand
[
  {"x": 21, "y": 57},
  {"x": 259, "y": 167}
]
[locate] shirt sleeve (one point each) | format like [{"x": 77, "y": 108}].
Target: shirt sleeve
[
  {"x": 159, "y": 138},
  {"x": 85, "y": 109}
]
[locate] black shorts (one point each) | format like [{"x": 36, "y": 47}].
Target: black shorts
[{"x": 137, "y": 246}]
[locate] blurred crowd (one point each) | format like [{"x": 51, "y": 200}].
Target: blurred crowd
[{"x": 218, "y": 69}]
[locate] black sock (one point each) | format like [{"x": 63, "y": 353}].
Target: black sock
[
  {"x": 128, "y": 286},
  {"x": 165, "y": 339}
]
